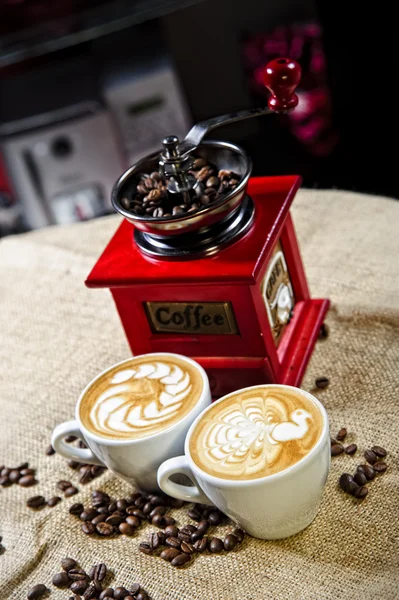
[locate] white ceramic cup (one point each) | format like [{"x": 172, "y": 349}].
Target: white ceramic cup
[
  {"x": 134, "y": 460},
  {"x": 272, "y": 507}
]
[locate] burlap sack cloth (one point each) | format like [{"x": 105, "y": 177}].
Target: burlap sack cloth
[{"x": 56, "y": 335}]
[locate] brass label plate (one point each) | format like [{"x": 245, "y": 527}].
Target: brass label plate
[
  {"x": 277, "y": 293},
  {"x": 207, "y": 318}
]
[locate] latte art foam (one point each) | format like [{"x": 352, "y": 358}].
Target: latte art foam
[
  {"x": 141, "y": 397},
  {"x": 255, "y": 433}
]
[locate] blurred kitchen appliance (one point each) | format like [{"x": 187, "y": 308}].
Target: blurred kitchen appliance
[
  {"x": 62, "y": 164},
  {"x": 147, "y": 103}
]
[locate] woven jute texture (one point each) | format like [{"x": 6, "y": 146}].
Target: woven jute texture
[{"x": 56, "y": 335}]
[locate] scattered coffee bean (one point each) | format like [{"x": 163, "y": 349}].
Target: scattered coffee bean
[
  {"x": 342, "y": 433},
  {"x": 70, "y": 438},
  {"x": 107, "y": 593},
  {"x": 145, "y": 547},
  {"x": 370, "y": 456},
  {"x": 348, "y": 484},
  {"x": 360, "y": 478},
  {"x": 64, "y": 485},
  {"x": 88, "y": 528},
  {"x": 76, "y": 509},
  {"x": 126, "y": 529},
  {"x": 201, "y": 545},
  {"x": 14, "y": 476},
  {"x": 336, "y": 449},
  {"x": 50, "y": 450},
  {"x": 380, "y": 467},
  {"x": 215, "y": 518},
  {"x": 324, "y": 332},
  {"x": 80, "y": 586},
  {"x": 74, "y": 464},
  {"x": 53, "y": 501},
  {"x": 71, "y": 491},
  {"x": 187, "y": 548},
  {"x": 120, "y": 592},
  {"x": 170, "y": 553},
  {"x": 77, "y": 574},
  {"x": 379, "y": 451},
  {"x": 216, "y": 545},
  {"x": 239, "y": 533},
  {"x": 173, "y": 541},
  {"x": 36, "y": 502},
  {"x": 194, "y": 514},
  {"x": 322, "y": 383},
  {"x": 367, "y": 470},
  {"x": 61, "y": 579},
  {"x": 171, "y": 531},
  {"x": 27, "y": 481},
  {"x": 180, "y": 560},
  {"x": 98, "y": 572},
  {"x": 105, "y": 529},
  {"x": 361, "y": 492},
  {"x": 37, "y": 591},
  {"x": 68, "y": 563},
  {"x": 230, "y": 542},
  {"x": 351, "y": 449}
]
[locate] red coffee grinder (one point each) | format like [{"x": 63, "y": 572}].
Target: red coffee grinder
[{"x": 226, "y": 284}]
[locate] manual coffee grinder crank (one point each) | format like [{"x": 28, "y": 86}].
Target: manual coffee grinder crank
[{"x": 224, "y": 284}]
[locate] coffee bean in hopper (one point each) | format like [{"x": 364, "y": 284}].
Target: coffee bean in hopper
[{"x": 37, "y": 591}]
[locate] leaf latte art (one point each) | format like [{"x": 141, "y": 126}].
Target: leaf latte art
[
  {"x": 141, "y": 397},
  {"x": 254, "y": 433}
]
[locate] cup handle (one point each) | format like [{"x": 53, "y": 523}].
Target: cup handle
[
  {"x": 179, "y": 466},
  {"x": 82, "y": 455}
]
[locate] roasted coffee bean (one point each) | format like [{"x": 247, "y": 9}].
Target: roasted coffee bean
[
  {"x": 27, "y": 471},
  {"x": 140, "y": 501},
  {"x": 324, "y": 332},
  {"x": 188, "y": 529},
  {"x": 103, "y": 510},
  {"x": 125, "y": 203},
  {"x": 14, "y": 476},
  {"x": 147, "y": 508},
  {"x": 194, "y": 514},
  {"x": 230, "y": 541},
  {"x": 348, "y": 484},
  {"x": 216, "y": 545},
  {"x": 74, "y": 464},
  {"x": 133, "y": 521},
  {"x": 138, "y": 513},
  {"x": 370, "y": 456},
  {"x": 81, "y": 444},
  {"x": 177, "y": 210},
  {"x": 134, "y": 589},
  {"x": 76, "y": 509},
  {"x": 115, "y": 519},
  {"x": 61, "y": 579},
  {"x": 203, "y": 526},
  {"x": 380, "y": 466},
  {"x": 4, "y": 481},
  {"x": 322, "y": 383},
  {"x": 201, "y": 545},
  {"x": 5, "y": 471},
  {"x": 171, "y": 531},
  {"x": 158, "y": 521},
  {"x": 37, "y": 591},
  {"x": 142, "y": 595},
  {"x": 105, "y": 529},
  {"x": 215, "y": 518},
  {"x": 97, "y": 470},
  {"x": 107, "y": 593},
  {"x": 351, "y": 449},
  {"x": 204, "y": 200},
  {"x": 158, "y": 510},
  {"x": 92, "y": 591},
  {"x": 68, "y": 563},
  {"x": 158, "y": 212},
  {"x": 85, "y": 474},
  {"x": 199, "y": 163},
  {"x": 27, "y": 481},
  {"x": 342, "y": 433},
  {"x": 187, "y": 548},
  {"x": 98, "y": 519},
  {"x": 70, "y": 438},
  {"x": 212, "y": 182},
  {"x": 203, "y": 174},
  {"x": 176, "y": 503},
  {"x": 98, "y": 572},
  {"x": 239, "y": 533},
  {"x": 145, "y": 547},
  {"x": 126, "y": 529},
  {"x": 336, "y": 449},
  {"x": 180, "y": 560},
  {"x": 50, "y": 450},
  {"x": 121, "y": 504},
  {"x": 173, "y": 541},
  {"x": 155, "y": 540},
  {"x": 367, "y": 470},
  {"x": 361, "y": 492},
  {"x": 141, "y": 189},
  {"x": 36, "y": 502},
  {"x": 80, "y": 586},
  {"x": 169, "y": 521},
  {"x": 76, "y": 574},
  {"x": 360, "y": 478},
  {"x": 71, "y": 491},
  {"x": 197, "y": 535},
  {"x": 88, "y": 514},
  {"x": 88, "y": 528},
  {"x": 184, "y": 537},
  {"x": 54, "y": 501},
  {"x": 170, "y": 553},
  {"x": 64, "y": 485},
  {"x": 379, "y": 451}
]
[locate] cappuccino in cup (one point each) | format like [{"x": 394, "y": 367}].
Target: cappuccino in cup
[
  {"x": 141, "y": 397},
  {"x": 135, "y": 415},
  {"x": 261, "y": 455},
  {"x": 256, "y": 433}
]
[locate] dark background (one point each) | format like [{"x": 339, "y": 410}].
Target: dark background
[{"x": 55, "y": 53}]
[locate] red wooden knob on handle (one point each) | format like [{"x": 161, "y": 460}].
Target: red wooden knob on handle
[{"x": 282, "y": 76}]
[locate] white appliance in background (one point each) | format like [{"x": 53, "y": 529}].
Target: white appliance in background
[
  {"x": 148, "y": 104},
  {"x": 62, "y": 165}
]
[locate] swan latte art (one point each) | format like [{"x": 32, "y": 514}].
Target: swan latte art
[
  {"x": 140, "y": 397},
  {"x": 256, "y": 432}
]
